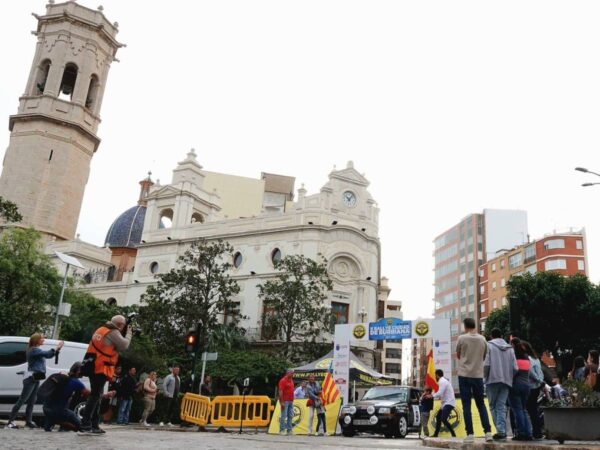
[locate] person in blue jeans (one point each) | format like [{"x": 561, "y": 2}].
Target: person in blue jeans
[
  {"x": 126, "y": 390},
  {"x": 286, "y": 400},
  {"x": 520, "y": 393},
  {"x": 499, "y": 368},
  {"x": 36, "y": 371},
  {"x": 471, "y": 350}
]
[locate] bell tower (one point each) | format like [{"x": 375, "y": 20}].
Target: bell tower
[{"x": 53, "y": 135}]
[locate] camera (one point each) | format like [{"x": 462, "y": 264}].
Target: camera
[{"x": 131, "y": 321}]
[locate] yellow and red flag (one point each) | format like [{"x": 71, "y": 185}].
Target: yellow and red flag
[
  {"x": 430, "y": 376},
  {"x": 329, "y": 391}
]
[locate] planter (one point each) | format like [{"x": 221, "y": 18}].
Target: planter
[{"x": 572, "y": 424}]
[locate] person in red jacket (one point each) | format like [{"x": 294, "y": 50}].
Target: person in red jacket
[{"x": 286, "y": 400}]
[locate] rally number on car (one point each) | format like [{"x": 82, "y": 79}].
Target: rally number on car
[{"x": 416, "y": 415}]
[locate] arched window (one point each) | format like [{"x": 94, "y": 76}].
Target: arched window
[
  {"x": 41, "y": 77},
  {"x": 275, "y": 256},
  {"x": 154, "y": 268},
  {"x": 90, "y": 101},
  {"x": 197, "y": 218},
  {"x": 166, "y": 218},
  {"x": 67, "y": 84},
  {"x": 111, "y": 301},
  {"x": 238, "y": 259}
]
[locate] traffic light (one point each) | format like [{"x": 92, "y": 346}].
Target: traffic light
[{"x": 191, "y": 342}]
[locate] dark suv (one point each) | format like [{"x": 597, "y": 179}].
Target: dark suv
[{"x": 391, "y": 410}]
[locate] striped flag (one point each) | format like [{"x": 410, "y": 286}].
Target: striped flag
[
  {"x": 330, "y": 391},
  {"x": 430, "y": 376}
]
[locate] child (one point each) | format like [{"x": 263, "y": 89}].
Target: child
[
  {"x": 321, "y": 417},
  {"x": 425, "y": 406}
]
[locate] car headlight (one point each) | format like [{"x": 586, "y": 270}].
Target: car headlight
[
  {"x": 385, "y": 410},
  {"x": 348, "y": 409}
]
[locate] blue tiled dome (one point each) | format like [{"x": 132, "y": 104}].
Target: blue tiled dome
[{"x": 126, "y": 230}]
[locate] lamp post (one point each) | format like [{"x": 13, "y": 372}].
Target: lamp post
[
  {"x": 362, "y": 313},
  {"x": 584, "y": 170},
  {"x": 69, "y": 261}
]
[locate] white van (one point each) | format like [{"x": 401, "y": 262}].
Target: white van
[{"x": 13, "y": 365}]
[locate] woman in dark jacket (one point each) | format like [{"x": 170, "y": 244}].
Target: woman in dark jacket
[
  {"x": 36, "y": 371},
  {"x": 519, "y": 393}
]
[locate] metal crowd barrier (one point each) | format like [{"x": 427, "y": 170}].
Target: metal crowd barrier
[
  {"x": 195, "y": 409},
  {"x": 249, "y": 411}
]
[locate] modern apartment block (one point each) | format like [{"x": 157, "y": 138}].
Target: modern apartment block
[
  {"x": 460, "y": 251},
  {"x": 391, "y": 355},
  {"x": 564, "y": 253}
]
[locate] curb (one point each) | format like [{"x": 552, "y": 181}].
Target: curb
[{"x": 482, "y": 445}]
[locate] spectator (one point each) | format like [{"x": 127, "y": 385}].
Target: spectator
[
  {"x": 206, "y": 387},
  {"x": 313, "y": 391},
  {"x": 113, "y": 385},
  {"x": 125, "y": 393},
  {"x": 591, "y": 370},
  {"x": 171, "y": 386},
  {"x": 499, "y": 368},
  {"x": 36, "y": 371},
  {"x": 56, "y": 404},
  {"x": 578, "y": 371},
  {"x": 425, "y": 407},
  {"x": 471, "y": 350},
  {"x": 536, "y": 382},
  {"x": 519, "y": 393},
  {"x": 104, "y": 346},
  {"x": 286, "y": 400},
  {"x": 300, "y": 391},
  {"x": 446, "y": 394},
  {"x": 149, "y": 399}
]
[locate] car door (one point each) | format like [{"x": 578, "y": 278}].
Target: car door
[
  {"x": 12, "y": 366},
  {"x": 414, "y": 410}
]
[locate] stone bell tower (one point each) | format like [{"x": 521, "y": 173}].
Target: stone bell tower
[{"x": 53, "y": 135}]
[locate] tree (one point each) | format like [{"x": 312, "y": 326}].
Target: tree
[
  {"x": 9, "y": 211},
  {"x": 198, "y": 291},
  {"x": 499, "y": 318},
  {"x": 29, "y": 283},
  {"x": 296, "y": 300},
  {"x": 555, "y": 312}
]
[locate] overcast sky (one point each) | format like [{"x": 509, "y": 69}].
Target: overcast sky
[{"x": 447, "y": 107}]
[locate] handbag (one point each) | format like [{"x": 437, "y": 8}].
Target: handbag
[
  {"x": 310, "y": 402},
  {"x": 37, "y": 376},
  {"x": 88, "y": 365}
]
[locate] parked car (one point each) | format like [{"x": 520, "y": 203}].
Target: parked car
[
  {"x": 389, "y": 410},
  {"x": 13, "y": 365}
]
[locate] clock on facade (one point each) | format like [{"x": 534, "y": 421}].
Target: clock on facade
[{"x": 349, "y": 198}]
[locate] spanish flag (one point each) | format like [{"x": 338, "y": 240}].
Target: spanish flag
[{"x": 430, "y": 376}]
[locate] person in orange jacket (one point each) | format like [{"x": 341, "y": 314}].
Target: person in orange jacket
[{"x": 104, "y": 346}]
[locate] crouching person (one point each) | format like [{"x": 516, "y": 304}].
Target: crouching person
[{"x": 56, "y": 404}]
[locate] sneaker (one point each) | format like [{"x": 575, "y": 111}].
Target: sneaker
[
  {"x": 488, "y": 437},
  {"x": 11, "y": 425},
  {"x": 321, "y": 433},
  {"x": 31, "y": 425},
  {"x": 97, "y": 431},
  {"x": 283, "y": 433},
  {"x": 146, "y": 424},
  {"x": 162, "y": 424},
  {"x": 469, "y": 439},
  {"x": 170, "y": 424},
  {"x": 499, "y": 437}
]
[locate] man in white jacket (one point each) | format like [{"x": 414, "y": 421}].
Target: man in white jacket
[{"x": 446, "y": 395}]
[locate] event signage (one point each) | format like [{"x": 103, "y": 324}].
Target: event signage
[{"x": 390, "y": 328}]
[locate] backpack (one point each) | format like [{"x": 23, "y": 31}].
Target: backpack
[
  {"x": 52, "y": 387},
  {"x": 139, "y": 387}
]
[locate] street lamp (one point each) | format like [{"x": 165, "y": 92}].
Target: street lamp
[{"x": 69, "y": 261}]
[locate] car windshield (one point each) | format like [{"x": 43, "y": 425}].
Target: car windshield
[{"x": 390, "y": 394}]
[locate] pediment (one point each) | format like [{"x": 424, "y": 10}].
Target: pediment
[{"x": 350, "y": 175}]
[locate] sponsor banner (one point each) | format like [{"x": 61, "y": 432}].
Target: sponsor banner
[
  {"x": 341, "y": 359},
  {"x": 390, "y": 328},
  {"x": 457, "y": 422},
  {"x": 301, "y": 416}
]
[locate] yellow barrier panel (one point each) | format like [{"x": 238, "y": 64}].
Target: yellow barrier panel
[
  {"x": 456, "y": 419},
  {"x": 228, "y": 411},
  {"x": 195, "y": 409},
  {"x": 301, "y": 414}
]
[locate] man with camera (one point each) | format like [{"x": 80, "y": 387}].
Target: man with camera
[{"x": 100, "y": 362}]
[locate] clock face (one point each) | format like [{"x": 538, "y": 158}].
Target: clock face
[{"x": 349, "y": 198}]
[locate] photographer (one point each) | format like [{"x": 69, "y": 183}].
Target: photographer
[{"x": 103, "y": 349}]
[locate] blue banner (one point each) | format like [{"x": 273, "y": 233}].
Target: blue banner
[{"x": 390, "y": 329}]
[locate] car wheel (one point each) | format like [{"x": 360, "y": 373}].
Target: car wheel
[
  {"x": 348, "y": 432},
  {"x": 402, "y": 427}
]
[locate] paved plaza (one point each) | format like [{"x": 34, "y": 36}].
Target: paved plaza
[{"x": 130, "y": 438}]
